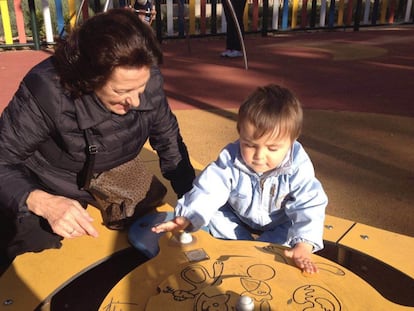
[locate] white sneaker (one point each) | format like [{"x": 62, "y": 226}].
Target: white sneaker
[
  {"x": 225, "y": 53},
  {"x": 234, "y": 53}
]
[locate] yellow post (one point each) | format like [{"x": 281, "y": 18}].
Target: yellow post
[
  {"x": 72, "y": 13},
  {"x": 341, "y": 12},
  {"x": 5, "y": 17},
  {"x": 383, "y": 14},
  {"x": 191, "y": 13},
  {"x": 295, "y": 13},
  {"x": 246, "y": 14}
]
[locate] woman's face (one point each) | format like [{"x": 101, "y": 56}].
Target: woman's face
[{"x": 122, "y": 90}]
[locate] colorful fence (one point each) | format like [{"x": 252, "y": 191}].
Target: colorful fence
[{"x": 26, "y": 24}]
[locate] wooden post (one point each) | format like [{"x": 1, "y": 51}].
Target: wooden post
[
  {"x": 85, "y": 10},
  {"x": 20, "y": 21},
  {"x": 392, "y": 12},
  {"x": 255, "y": 15},
  {"x": 349, "y": 11},
  {"x": 304, "y": 14}
]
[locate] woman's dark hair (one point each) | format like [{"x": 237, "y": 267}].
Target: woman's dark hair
[
  {"x": 87, "y": 57},
  {"x": 274, "y": 110}
]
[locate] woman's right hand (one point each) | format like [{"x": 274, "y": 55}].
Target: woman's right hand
[
  {"x": 178, "y": 223},
  {"x": 66, "y": 217}
]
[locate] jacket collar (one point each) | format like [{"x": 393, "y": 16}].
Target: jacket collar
[{"x": 90, "y": 111}]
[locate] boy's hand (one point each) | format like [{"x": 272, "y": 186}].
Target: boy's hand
[
  {"x": 178, "y": 223},
  {"x": 301, "y": 255}
]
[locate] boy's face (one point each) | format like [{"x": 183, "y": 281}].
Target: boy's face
[{"x": 265, "y": 153}]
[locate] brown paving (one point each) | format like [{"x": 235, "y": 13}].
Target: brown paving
[{"x": 356, "y": 87}]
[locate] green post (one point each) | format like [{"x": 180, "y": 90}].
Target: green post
[
  {"x": 158, "y": 22},
  {"x": 35, "y": 32},
  {"x": 265, "y": 20}
]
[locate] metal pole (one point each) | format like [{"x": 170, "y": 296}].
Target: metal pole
[
  {"x": 106, "y": 6},
  {"x": 79, "y": 12}
]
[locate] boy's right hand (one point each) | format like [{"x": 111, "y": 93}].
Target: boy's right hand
[{"x": 178, "y": 223}]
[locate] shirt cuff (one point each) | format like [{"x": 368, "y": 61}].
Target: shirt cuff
[{"x": 297, "y": 240}]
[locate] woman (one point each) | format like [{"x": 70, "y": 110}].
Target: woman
[{"x": 103, "y": 78}]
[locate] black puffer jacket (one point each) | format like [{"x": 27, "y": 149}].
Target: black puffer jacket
[{"x": 42, "y": 142}]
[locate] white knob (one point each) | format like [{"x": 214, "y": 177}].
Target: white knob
[
  {"x": 245, "y": 303},
  {"x": 186, "y": 238}
]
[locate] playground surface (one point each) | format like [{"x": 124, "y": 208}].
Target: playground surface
[{"x": 356, "y": 88}]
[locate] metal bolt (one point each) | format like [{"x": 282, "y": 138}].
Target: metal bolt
[
  {"x": 8, "y": 302},
  {"x": 329, "y": 227},
  {"x": 364, "y": 237}
]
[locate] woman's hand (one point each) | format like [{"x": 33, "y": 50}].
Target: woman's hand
[
  {"x": 65, "y": 216},
  {"x": 178, "y": 223},
  {"x": 301, "y": 255}
]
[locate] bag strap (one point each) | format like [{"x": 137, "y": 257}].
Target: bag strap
[{"x": 87, "y": 171}]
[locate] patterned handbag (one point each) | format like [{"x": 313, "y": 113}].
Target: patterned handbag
[{"x": 123, "y": 193}]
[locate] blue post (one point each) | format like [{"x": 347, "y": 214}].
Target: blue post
[
  {"x": 59, "y": 17},
  {"x": 375, "y": 12},
  {"x": 331, "y": 19},
  {"x": 285, "y": 14},
  {"x": 181, "y": 18}
]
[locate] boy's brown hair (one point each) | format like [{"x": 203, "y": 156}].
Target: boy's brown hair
[{"x": 272, "y": 109}]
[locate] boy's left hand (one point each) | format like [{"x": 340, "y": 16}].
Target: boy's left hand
[{"x": 301, "y": 255}]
